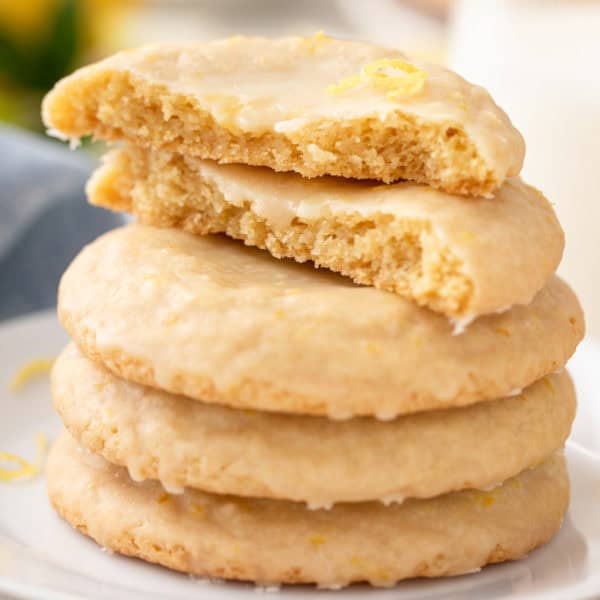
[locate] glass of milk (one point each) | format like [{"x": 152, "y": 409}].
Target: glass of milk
[{"x": 540, "y": 59}]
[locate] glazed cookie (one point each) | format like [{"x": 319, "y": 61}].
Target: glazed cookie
[
  {"x": 445, "y": 252},
  {"x": 318, "y": 106},
  {"x": 211, "y": 319},
  {"x": 185, "y": 443},
  {"x": 274, "y": 541}
]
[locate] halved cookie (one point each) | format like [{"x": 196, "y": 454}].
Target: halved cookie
[
  {"x": 449, "y": 253},
  {"x": 271, "y": 541},
  {"x": 318, "y": 106},
  {"x": 211, "y": 319},
  {"x": 186, "y": 443}
]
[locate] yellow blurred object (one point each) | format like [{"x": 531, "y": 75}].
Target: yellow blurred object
[
  {"x": 100, "y": 20},
  {"x": 25, "y": 468},
  {"x": 34, "y": 368},
  {"x": 104, "y": 22},
  {"x": 26, "y": 19},
  {"x": 43, "y": 40}
]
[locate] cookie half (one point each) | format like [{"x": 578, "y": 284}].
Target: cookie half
[
  {"x": 271, "y": 542},
  {"x": 211, "y": 319},
  {"x": 449, "y": 253},
  {"x": 185, "y": 443},
  {"x": 317, "y": 106}
]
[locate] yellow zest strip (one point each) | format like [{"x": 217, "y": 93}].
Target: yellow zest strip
[
  {"x": 25, "y": 469},
  {"x": 34, "y": 368},
  {"x": 377, "y": 74},
  {"x": 313, "y": 42}
]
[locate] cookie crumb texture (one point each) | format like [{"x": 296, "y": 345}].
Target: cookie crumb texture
[
  {"x": 448, "y": 253},
  {"x": 287, "y": 104},
  {"x": 271, "y": 542}
]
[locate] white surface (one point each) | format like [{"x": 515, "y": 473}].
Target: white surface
[
  {"x": 539, "y": 59},
  {"x": 41, "y": 557}
]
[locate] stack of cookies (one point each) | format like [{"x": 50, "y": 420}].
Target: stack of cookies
[{"x": 234, "y": 413}]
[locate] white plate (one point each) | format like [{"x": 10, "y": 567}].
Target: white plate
[{"x": 42, "y": 557}]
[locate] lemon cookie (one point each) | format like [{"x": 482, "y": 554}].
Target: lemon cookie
[
  {"x": 211, "y": 319},
  {"x": 315, "y": 105},
  {"x": 275, "y": 541},
  {"x": 185, "y": 443},
  {"x": 449, "y": 253}
]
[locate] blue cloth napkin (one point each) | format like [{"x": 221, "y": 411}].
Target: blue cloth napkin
[{"x": 44, "y": 218}]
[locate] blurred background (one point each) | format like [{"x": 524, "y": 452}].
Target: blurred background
[{"x": 538, "y": 58}]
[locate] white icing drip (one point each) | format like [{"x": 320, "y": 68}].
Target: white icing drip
[
  {"x": 515, "y": 392},
  {"x": 74, "y": 142},
  {"x": 392, "y": 499},
  {"x": 267, "y": 589},
  {"x": 386, "y": 415},
  {"x": 490, "y": 488},
  {"x": 503, "y": 309},
  {"x": 331, "y": 586},
  {"x": 171, "y": 488},
  {"x": 319, "y": 505},
  {"x": 95, "y": 461},
  {"x": 134, "y": 474},
  {"x": 338, "y": 414},
  {"x": 459, "y": 326},
  {"x": 55, "y": 133}
]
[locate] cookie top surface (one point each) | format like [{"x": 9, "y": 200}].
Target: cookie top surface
[
  {"x": 296, "y": 88},
  {"x": 185, "y": 443},
  {"x": 213, "y": 320},
  {"x": 449, "y": 253}
]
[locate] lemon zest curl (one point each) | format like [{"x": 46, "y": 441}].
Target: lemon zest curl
[
  {"x": 377, "y": 74},
  {"x": 25, "y": 469},
  {"x": 34, "y": 368}
]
